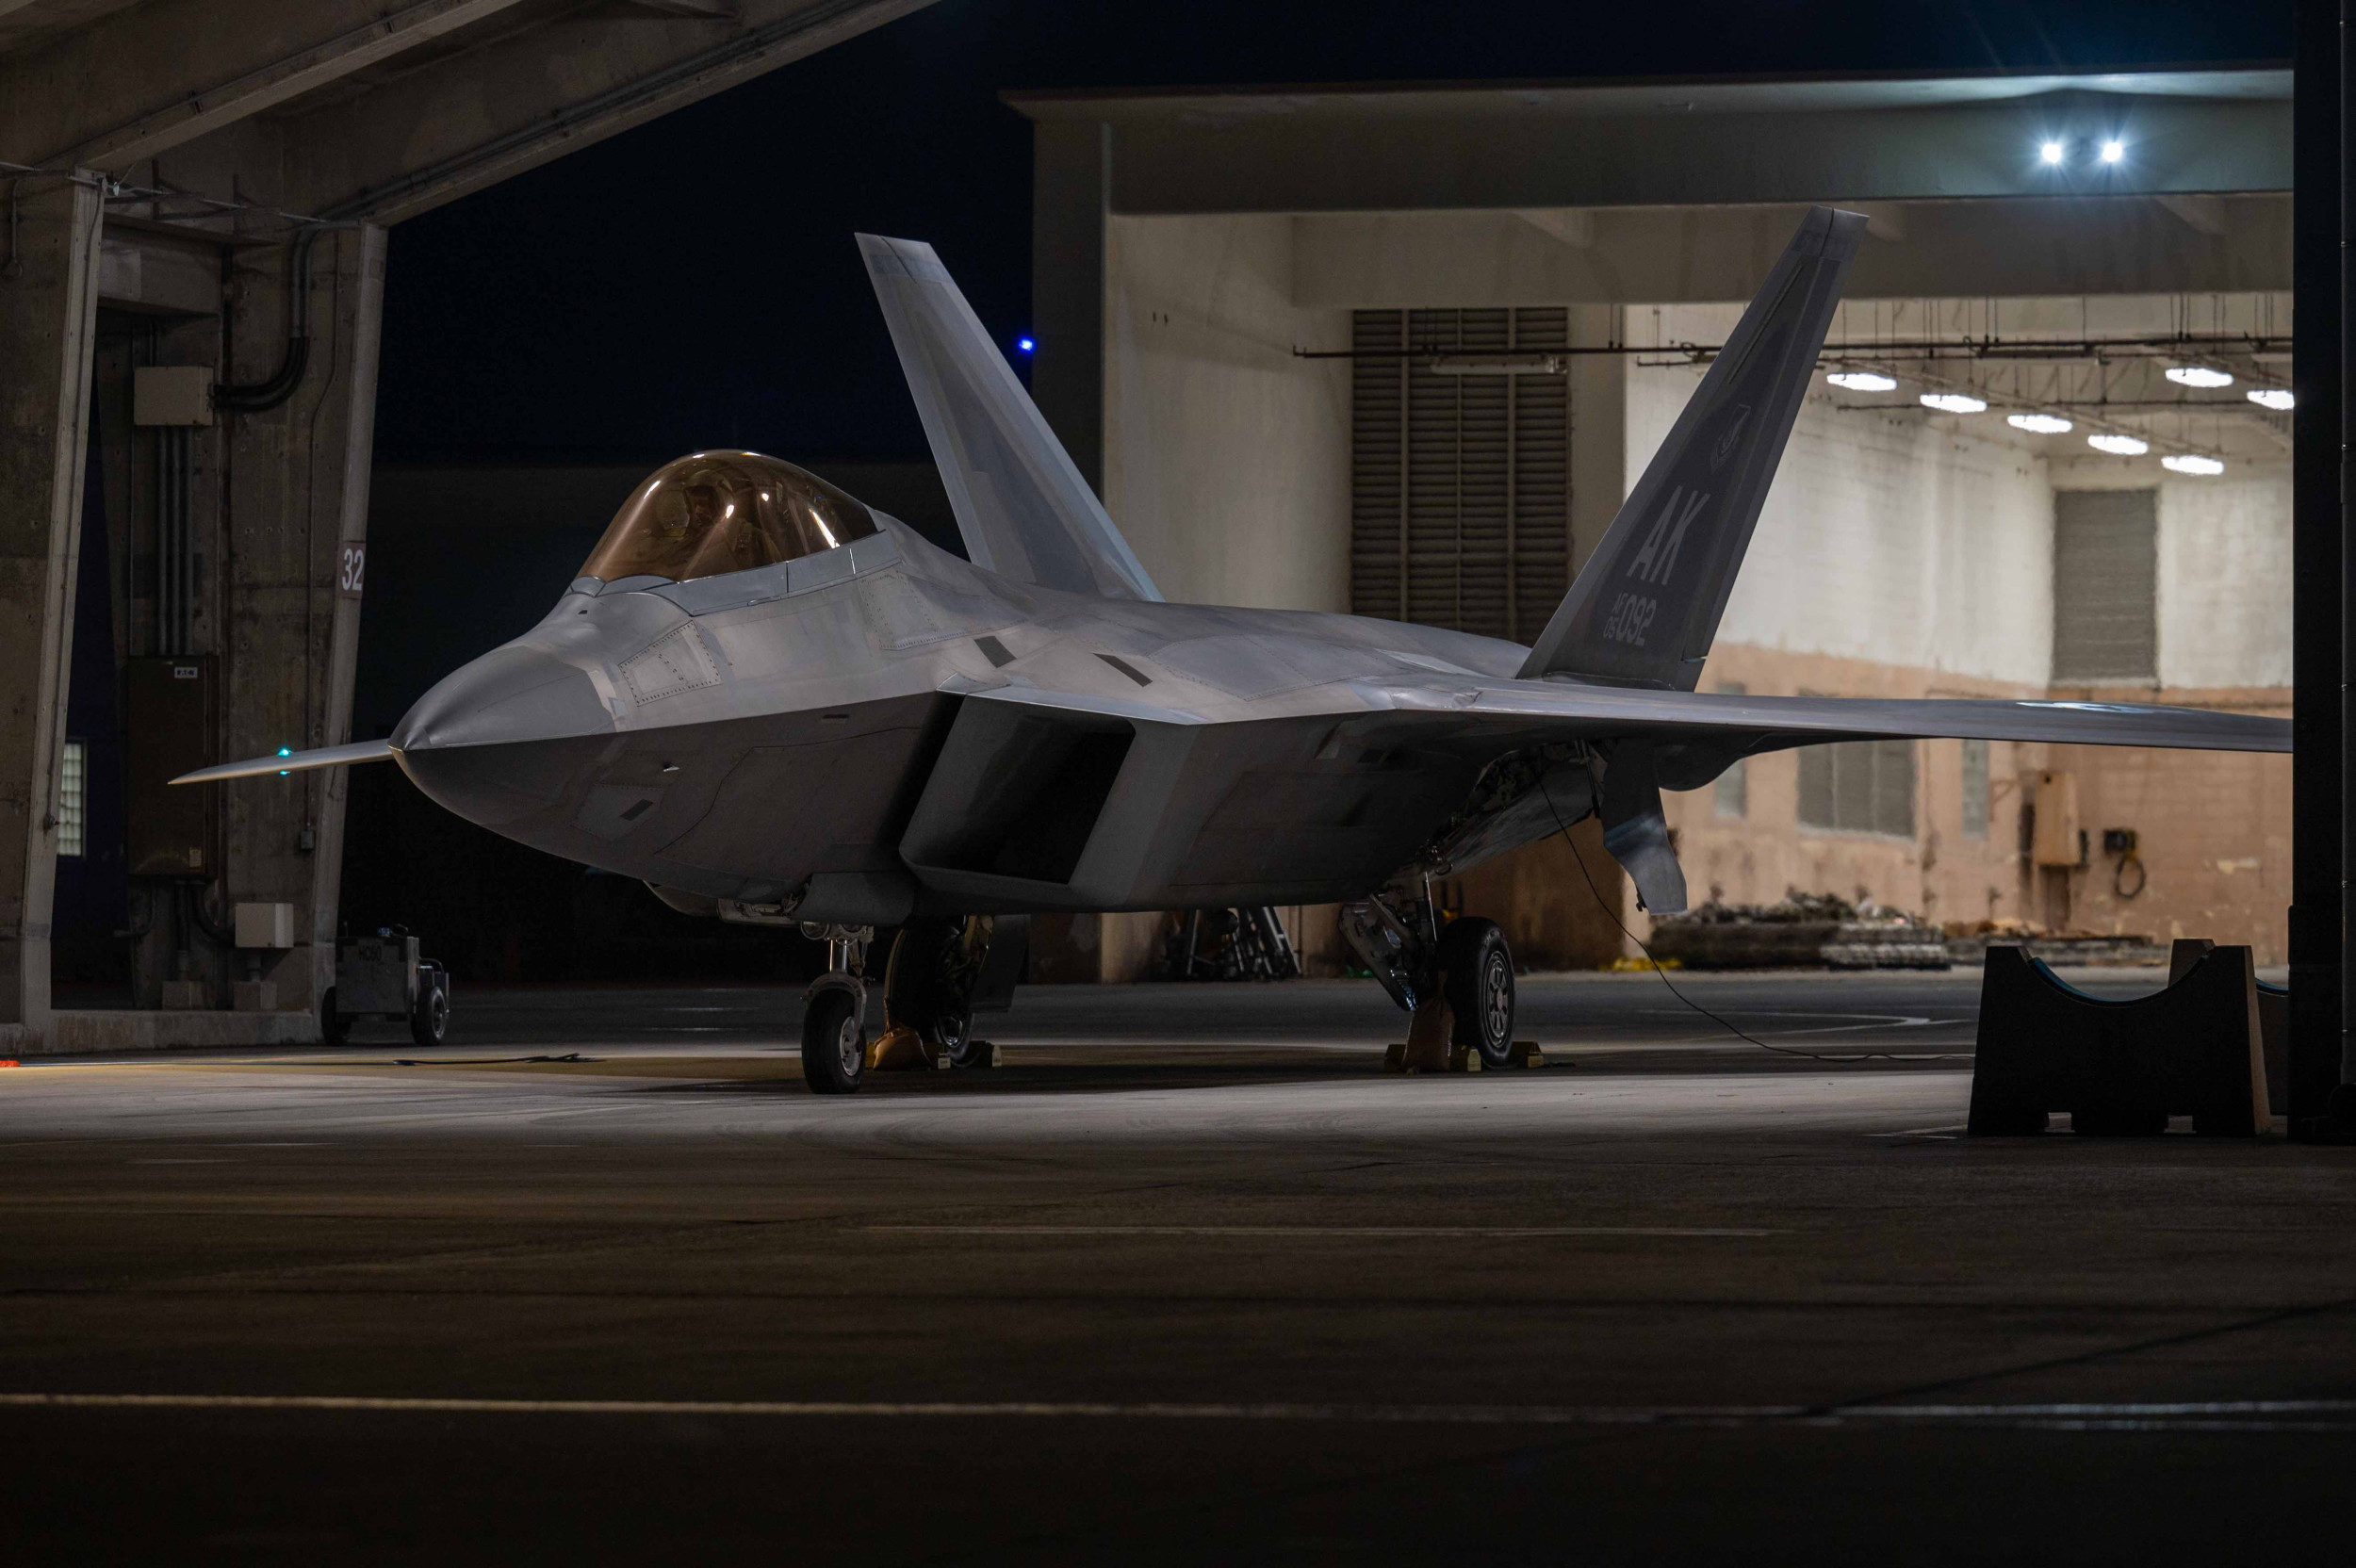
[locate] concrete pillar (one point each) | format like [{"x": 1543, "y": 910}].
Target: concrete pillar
[
  {"x": 1071, "y": 180},
  {"x": 346, "y": 566},
  {"x": 1599, "y": 427},
  {"x": 296, "y": 484},
  {"x": 48, "y": 307}
]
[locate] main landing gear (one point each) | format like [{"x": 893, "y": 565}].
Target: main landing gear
[
  {"x": 1455, "y": 981},
  {"x": 938, "y": 977}
]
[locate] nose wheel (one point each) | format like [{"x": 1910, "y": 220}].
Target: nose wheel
[{"x": 834, "y": 1043}]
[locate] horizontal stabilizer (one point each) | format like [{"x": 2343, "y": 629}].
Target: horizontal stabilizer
[
  {"x": 1021, "y": 506},
  {"x": 293, "y": 761}
]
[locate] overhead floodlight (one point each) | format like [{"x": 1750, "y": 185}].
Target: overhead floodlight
[
  {"x": 1862, "y": 380},
  {"x": 2040, "y": 424},
  {"x": 2190, "y": 462},
  {"x": 1954, "y": 403},
  {"x": 2113, "y": 151},
  {"x": 2199, "y": 375},
  {"x": 2118, "y": 446},
  {"x": 2276, "y": 397},
  {"x": 2050, "y": 152}
]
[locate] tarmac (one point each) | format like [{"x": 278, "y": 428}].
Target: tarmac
[{"x": 1188, "y": 1279}]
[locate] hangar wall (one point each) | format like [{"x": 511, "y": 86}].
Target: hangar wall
[{"x": 1201, "y": 326}]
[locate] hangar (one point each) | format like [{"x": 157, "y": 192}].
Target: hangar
[{"x": 1400, "y": 350}]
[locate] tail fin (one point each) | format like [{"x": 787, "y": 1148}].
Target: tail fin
[
  {"x": 1646, "y": 608},
  {"x": 1024, "y": 509}
]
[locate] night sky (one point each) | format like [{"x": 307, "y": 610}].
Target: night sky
[{"x": 692, "y": 283}]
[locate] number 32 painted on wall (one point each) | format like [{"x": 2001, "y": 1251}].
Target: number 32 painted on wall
[{"x": 350, "y": 569}]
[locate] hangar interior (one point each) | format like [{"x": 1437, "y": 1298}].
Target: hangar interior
[{"x": 1403, "y": 352}]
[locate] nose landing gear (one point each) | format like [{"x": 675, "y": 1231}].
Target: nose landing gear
[{"x": 1454, "y": 982}]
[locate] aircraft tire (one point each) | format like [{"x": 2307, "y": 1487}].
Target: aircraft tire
[
  {"x": 1477, "y": 977},
  {"x": 834, "y": 1046}
]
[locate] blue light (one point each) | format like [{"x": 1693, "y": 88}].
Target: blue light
[
  {"x": 1025, "y": 344},
  {"x": 285, "y": 751}
]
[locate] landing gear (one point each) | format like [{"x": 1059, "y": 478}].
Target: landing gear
[
  {"x": 1454, "y": 982},
  {"x": 834, "y": 1013},
  {"x": 929, "y": 990}
]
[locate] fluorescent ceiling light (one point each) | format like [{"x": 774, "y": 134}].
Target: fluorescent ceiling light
[
  {"x": 2277, "y": 398},
  {"x": 2118, "y": 446},
  {"x": 2199, "y": 375},
  {"x": 2186, "y": 463},
  {"x": 2050, "y": 152},
  {"x": 1863, "y": 380},
  {"x": 1954, "y": 403},
  {"x": 2040, "y": 424},
  {"x": 2113, "y": 151}
]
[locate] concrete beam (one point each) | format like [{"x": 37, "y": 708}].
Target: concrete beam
[
  {"x": 1400, "y": 152},
  {"x": 2015, "y": 248},
  {"x": 140, "y": 82},
  {"x": 1070, "y": 167},
  {"x": 48, "y": 311},
  {"x": 434, "y": 135}
]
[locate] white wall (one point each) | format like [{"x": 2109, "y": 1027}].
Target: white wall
[
  {"x": 1226, "y": 458},
  {"x": 1901, "y": 538}
]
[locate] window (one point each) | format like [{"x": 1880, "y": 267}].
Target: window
[
  {"x": 1460, "y": 483},
  {"x": 1975, "y": 788},
  {"x": 2105, "y": 593},
  {"x": 72, "y": 798},
  {"x": 1732, "y": 793},
  {"x": 1859, "y": 787},
  {"x": 724, "y": 512}
]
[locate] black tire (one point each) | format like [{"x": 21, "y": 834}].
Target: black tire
[
  {"x": 334, "y": 1028},
  {"x": 1477, "y": 977},
  {"x": 428, "y": 1021},
  {"x": 834, "y": 1044}
]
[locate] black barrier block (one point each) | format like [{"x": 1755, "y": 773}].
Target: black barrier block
[{"x": 2119, "y": 1068}]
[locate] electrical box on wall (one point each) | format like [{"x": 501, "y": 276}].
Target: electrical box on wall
[
  {"x": 171, "y": 716},
  {"x": 2058, "y": 840},
  {"x": 172, "y": 395}
]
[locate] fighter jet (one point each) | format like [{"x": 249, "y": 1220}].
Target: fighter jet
[{"x": 774, "y": 704}]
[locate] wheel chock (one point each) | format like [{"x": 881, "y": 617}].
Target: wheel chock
[
  {"x": 1525, "y": 1053},
  {"x": 1425, "y": 1048},
  {"x": 979, "y": 1053},
  {"x": 900, "y": 1049}
]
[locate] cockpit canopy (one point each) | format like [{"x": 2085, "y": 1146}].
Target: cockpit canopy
[{"x": 724, "y": 512}]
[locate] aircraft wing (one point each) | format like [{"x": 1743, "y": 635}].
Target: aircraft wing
[
  {"x": 1731, "y": 725},
  {"x": 1652, "y": 740},
  {"x": 293, "y": 761}
]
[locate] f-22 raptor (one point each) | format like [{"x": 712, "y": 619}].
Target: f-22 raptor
[{"x": 773, "y": 703}]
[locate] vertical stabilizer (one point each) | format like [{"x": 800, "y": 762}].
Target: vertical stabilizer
[
  {"x": 1645, "y": 607},
  {"x": 1024, "y": 509}
]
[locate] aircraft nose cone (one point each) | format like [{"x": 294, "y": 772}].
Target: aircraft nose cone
[
  {"x": 511, "y": 694},
  {"x": 490, "y": 740}
]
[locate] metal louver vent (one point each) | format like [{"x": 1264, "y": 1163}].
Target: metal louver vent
[
  {"x": 2105, "y": 586},
  {"x": 1460, "y": 482}
]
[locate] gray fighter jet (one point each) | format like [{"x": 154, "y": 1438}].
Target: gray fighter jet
[{"x": 774, "y": 704}]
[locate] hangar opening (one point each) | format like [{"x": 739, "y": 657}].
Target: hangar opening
[{"x": 1402, "y": 352}]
